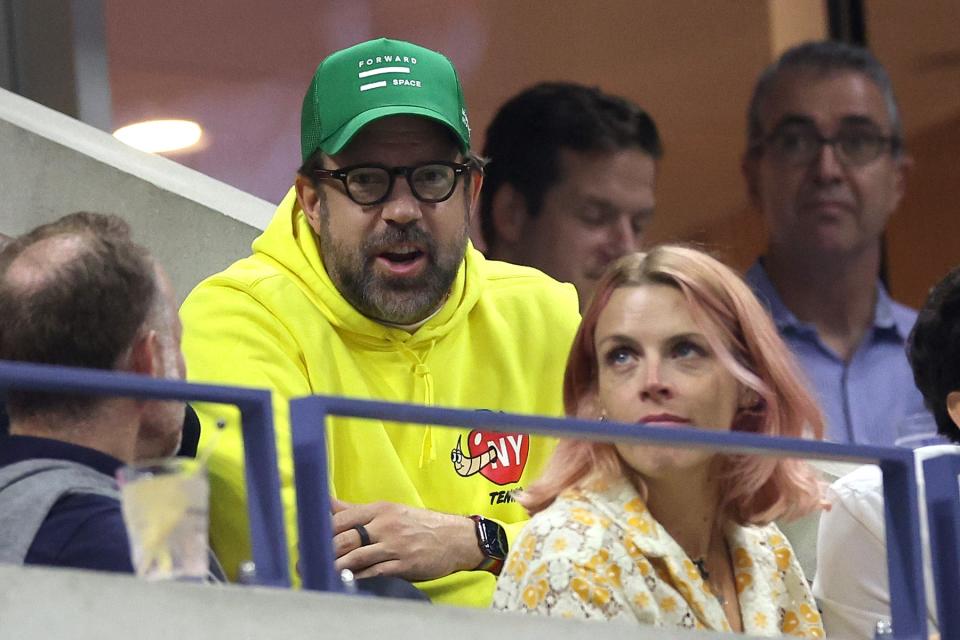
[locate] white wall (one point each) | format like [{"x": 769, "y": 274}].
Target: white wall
[
  {"x": 52, "y": 604},
  {"x": 51, "y": 165}
]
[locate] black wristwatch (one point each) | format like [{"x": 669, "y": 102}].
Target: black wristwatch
[{"x": 493, "y": 543}]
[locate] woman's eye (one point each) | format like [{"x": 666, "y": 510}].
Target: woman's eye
[
  {"x": 688, "y": 349},
  {"x": 619, "y": 356}
]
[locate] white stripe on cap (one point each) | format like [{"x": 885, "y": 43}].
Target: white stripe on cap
[
  {"x": 373, "y": 85},
  {"x": 382, "y": 70}
]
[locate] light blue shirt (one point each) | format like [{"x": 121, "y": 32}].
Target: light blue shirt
[{"x": 865, "y": 399}]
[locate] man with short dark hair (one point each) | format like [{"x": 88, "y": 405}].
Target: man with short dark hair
[
  {"x": 570, "y": 184},
  {"x": 364, "y": 285},
  {"x": 825, "y": 165},
  {"x": 79, "y": 292},
  {"x": 852, "y": 583},
  {"x": 934, "y": 353}
]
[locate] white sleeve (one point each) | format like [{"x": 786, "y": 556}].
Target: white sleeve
[{"x": 851, "y": 581}]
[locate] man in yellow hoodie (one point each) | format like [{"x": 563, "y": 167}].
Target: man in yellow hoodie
[{"x": 365, "y": 285}]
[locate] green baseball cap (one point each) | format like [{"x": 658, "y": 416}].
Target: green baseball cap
[{"x": 374, "y": 79}]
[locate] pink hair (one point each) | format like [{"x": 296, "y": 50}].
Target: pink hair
[{"x": 753, "y": 489}]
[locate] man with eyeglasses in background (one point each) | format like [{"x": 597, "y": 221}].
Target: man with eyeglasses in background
[
  {"x": 826, "y": 166},
  {"x": 365, "y": 285}
]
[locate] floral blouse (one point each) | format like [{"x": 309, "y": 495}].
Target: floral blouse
[{"x": 598, "y": 553}]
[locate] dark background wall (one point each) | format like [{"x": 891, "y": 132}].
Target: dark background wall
[{"x": 240, "y": 67}]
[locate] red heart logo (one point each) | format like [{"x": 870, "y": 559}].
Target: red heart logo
[{"x": 511, "y": 454}]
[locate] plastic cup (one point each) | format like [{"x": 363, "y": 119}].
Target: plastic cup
[{"x": 166, "y": 511}]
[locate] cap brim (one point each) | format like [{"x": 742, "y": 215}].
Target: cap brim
[{"x": 339, "y": 139}]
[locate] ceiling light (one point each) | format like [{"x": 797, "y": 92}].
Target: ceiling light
[{"x": 159, "y": 136}]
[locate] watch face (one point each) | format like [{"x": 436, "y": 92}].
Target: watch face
[{"x": 494, "y": 539}]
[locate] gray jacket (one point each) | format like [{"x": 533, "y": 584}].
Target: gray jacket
[{"x": 30, "y": 488}]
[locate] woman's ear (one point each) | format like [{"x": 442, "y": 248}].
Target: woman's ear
[
  {"x": 750, "y": 416},
  {"x": 749, "y": 399},
  {"x": 589, "y": 407}
]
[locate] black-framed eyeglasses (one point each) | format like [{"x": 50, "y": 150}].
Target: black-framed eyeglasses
[
  {"x": 855, "y": 146},
  {"x": 370, "y": 184}
]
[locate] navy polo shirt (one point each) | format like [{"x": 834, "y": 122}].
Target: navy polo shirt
[{"x": 82, "y": 531}]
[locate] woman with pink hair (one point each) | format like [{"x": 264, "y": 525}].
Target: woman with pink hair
[{"x": 672, "y": 536}]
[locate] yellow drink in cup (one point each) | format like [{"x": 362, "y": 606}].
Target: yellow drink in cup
[{"x": 165, "y": 507}]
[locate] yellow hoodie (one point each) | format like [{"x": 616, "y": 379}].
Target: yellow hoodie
[{"x": 275, "y": 320}]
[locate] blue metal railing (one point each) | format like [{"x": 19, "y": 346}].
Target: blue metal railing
[
  {"x": 942, "y": 497},
  {"x": 308, "y": 419},
  {"x": 267, "y": 536}
]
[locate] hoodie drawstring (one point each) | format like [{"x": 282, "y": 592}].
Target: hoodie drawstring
[{"x": 428, "y": 449}]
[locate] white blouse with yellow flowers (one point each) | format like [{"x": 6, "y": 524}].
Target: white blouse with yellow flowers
[{"x": 597, "y": 553}]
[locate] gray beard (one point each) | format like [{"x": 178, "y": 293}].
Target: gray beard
[{"x": 402, "y": 301}]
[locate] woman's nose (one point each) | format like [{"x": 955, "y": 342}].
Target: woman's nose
[{"x": 654, "y": 385}]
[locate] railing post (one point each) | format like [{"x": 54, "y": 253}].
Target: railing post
[
  {"x": 308, "y": 426},
  {"x": 942, "y": 493},
  {"x": 268, "y": 540},
  {"x": 904, "y": 553}
]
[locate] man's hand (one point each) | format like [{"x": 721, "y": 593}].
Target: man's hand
[{"x": 407, "y": 542}]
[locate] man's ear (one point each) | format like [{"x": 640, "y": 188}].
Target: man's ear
[
  {"x": 476, "y": 182},
  {"x": 953, "y": 406},
  {"x": 146, "y": 357},
  {"x": 509, "y": 214},
  {"x": 310, "y": 200},
  {"x": 904, "y": 168}
]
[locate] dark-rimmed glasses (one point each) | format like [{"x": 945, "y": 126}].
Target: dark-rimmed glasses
[
  {"x": 800, "y": 143},
  {"x": 370, "y": 184}
]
